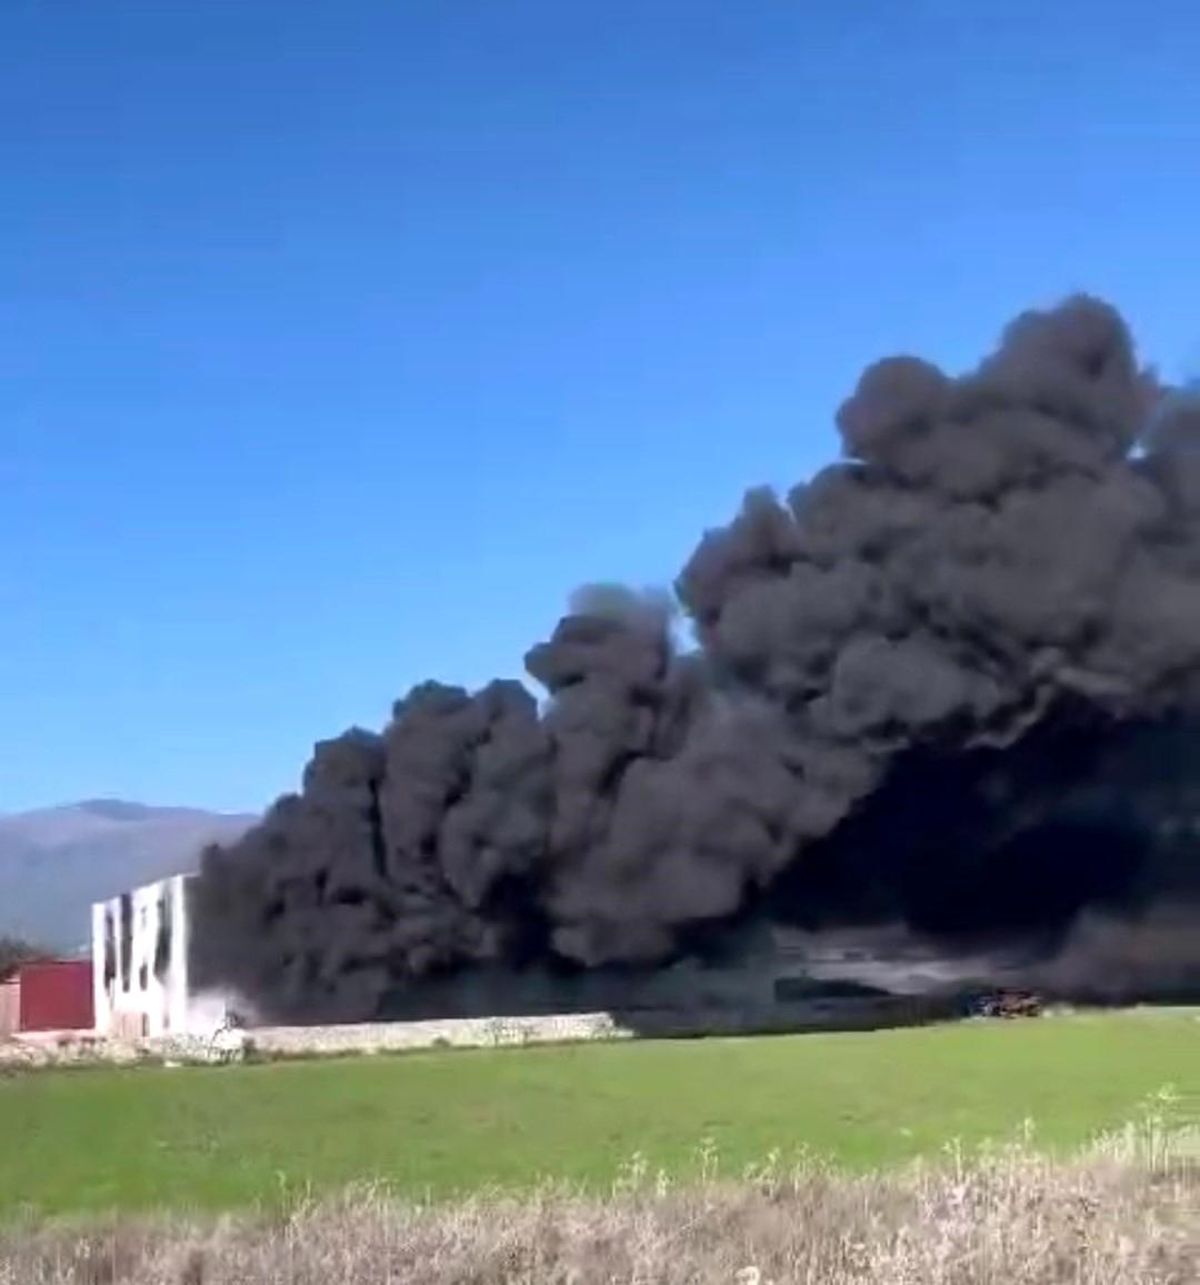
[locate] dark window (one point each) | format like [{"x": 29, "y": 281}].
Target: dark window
[
  {"x": 162, "y": 947},
  {"x": 110, "y": 949},
  {"x": 126, "y": 905}
]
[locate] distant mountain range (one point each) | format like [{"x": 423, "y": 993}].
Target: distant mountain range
[{"x": 55, "y": 862}]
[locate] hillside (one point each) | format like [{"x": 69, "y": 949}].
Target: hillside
[{"x": 54, "y": 862}]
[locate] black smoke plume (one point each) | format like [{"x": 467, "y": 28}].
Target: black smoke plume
[{"x": 953, "y": 680}]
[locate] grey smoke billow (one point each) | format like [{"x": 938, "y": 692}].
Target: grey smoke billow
[{"x": 900, "y": 672}]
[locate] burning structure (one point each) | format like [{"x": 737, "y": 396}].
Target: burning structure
[
  {"x": 140, "y": 971},
  {"x": 950, "y": 684}
]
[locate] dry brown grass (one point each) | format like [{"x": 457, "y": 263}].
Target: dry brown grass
[{"x": 1127, "y": 1212}]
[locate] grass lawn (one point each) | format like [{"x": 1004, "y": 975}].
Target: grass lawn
[{"x": 446, "y": 1122}]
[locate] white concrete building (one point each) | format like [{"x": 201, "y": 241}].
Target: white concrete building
[{"x": 140, "y": 965}]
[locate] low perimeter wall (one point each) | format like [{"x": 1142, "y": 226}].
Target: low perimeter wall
[
  {"x": 489, "y": 1032},
  {"x": 566, "y": 1028},
  {"x": 66, "y": 1048},
  {"x": 482, "y": 1032}
]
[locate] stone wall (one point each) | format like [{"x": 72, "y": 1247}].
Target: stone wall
[
  {"x": 311, "y": 1041},
  {"x": 381, "y": 1037},
  {"x": 491, "y": 1032},
  {"x": 67, "y": 1048},
  {"x": 500, "y": 1032}
]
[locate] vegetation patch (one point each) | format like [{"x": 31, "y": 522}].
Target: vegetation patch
[
  {"x": 1125, "y": 1214},
  {"x": 450, "y": 1123}
]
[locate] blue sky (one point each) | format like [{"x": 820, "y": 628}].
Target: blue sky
[{"x": 339, "y": 342}]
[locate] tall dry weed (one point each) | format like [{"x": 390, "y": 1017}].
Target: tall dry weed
[{"x": 1127, "y": 1213}]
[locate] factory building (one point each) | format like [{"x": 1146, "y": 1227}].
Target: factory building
[{"x": 141, "y": 982}]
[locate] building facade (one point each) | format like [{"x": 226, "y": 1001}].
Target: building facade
[{"x": 140, "y": 953}]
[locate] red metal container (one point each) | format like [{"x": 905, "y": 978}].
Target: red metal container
[{"x": 56, "y": 995}]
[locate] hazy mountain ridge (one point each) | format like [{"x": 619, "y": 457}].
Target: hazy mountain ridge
[{"x": 54, "y": 862}]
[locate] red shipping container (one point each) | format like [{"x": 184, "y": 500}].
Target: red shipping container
[{"x": 56, "y": 995}]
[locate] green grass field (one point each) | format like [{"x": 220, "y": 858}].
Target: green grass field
[{"x": 447, "y": 1122}]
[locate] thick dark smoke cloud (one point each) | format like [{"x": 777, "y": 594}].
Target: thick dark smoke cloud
[{"x": 938, "y": 681}]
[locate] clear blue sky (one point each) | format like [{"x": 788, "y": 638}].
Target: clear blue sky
[{"x": 340, "y": 341}]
